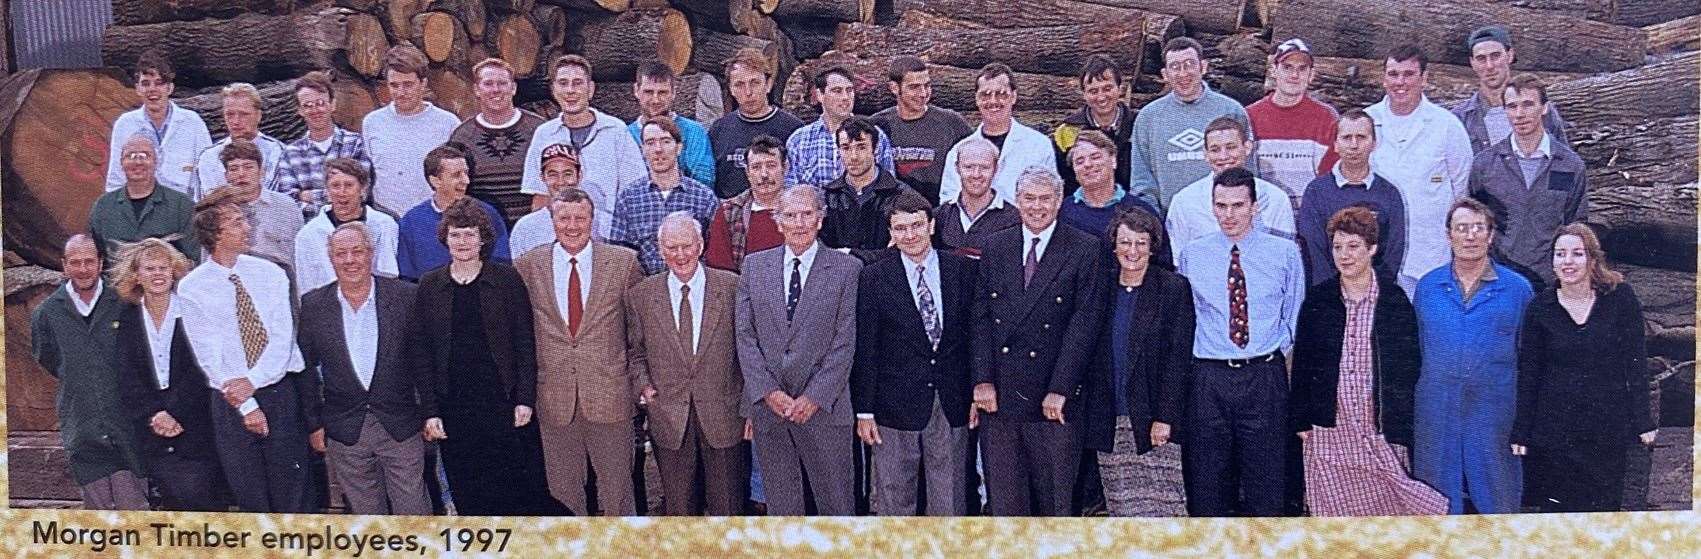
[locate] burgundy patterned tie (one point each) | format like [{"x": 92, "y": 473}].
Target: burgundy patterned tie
[{"x": 1238, "y": 331}]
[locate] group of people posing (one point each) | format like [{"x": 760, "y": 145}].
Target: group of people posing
[{"x": 1196, "y": 308}]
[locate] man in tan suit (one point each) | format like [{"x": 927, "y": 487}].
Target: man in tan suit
[
  {"x": 681, "y": 349},
  {"x": 585, "y": 393}
]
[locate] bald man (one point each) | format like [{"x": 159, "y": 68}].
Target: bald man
[
  {"x": 142, "y": 209},
  {"x": 72, "y": 336}
]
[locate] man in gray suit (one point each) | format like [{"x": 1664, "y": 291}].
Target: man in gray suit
[
  {"x": 357, "y": 390},
  {"x": 796, "y": 317}
]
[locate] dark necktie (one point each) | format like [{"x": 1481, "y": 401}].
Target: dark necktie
[
  {"x": 1031, "y": 263},
  {"x": 929, "y": 313},
  {"x": 685, "y": 320},
  {"x": 248, "y": 324},
  {"x": 575, "y": 307},
  {"x": 796, "y": 288},
  {"x": 1238, "y": 328}
]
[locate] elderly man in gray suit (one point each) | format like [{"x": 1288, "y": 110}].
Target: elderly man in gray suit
[{"x": 796, "y": 318}]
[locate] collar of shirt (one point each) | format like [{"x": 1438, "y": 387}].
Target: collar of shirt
[
  {"x": 563, "y": 271},
  {"x": 969, "y": 219},
  {"x": 1342, "y": 182},
  {"x": 173, "y": 310},
  {"x": 1544, "y": 149},
  {"x": 83, "y": 308},
  {"x": 159, "y": 339},
  {"x": 332, "y": 216},
  {"x": 808, "y": 257},
  {"x": 1044, "y": 237},
  {"x": 348, "y": 309},
  {"x": 910, "y": 265},
  {"x": 1080, "y": 196},
  {"x": 503, "y": 125},
  {"x": 696, "y": 282}
]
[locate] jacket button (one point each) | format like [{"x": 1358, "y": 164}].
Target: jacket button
[
  {"x": 1045, "y": 326},
  {"x": 1005, "y": 349},
  {"x": 171, "y": 449},
  {"x": 997, "y": 321},
  {"x": 1033, "y": 354},
  {"x": 932, "y": 362},
  {"x": 994, "y": 295},
  {"x": 930, "y": 385},
  {"x": 1060, "y": 300}
]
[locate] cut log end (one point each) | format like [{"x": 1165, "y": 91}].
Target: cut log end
[
  {"x": 435, "y": 33},
  {"x": 366, "y": 45},
  {"x": 674, "y": 46}
]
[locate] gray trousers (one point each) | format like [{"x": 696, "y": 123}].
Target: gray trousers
[
  {"x": 1030, "y": 466},
  {"x": 380, "y": 475},
  {"x": 788, "y": 452},
  {"x": 938, "y": 451},
  {"x": 121, "y": 490}
]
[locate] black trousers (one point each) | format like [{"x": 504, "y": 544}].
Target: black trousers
[
  {"x": 1030, "y": 466},
  {"x": 186, "y": 484},
  {"x": 1235, "y": 453},
  {"x": 270, "y": 473}
]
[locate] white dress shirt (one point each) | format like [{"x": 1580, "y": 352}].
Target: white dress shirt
[
  {"x": 360, "y": 335},
  {"x": 930, "y": 275},
  {"x": 1044, "y": 237},
  {"x": 85, "y": 308},
  {"x": 1191, "y": 215},
  {"x": 159, "y": 339},
  {"x": 209, "y": 317},
  {"x": 313, "y": 267},
  {"x": 696, "y": 283},
  {"x": 808, "y": 259},
  {"x": 563, "y": 271}
]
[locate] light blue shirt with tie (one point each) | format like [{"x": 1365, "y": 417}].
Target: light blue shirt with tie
[{"x": 1275, "y": 287}]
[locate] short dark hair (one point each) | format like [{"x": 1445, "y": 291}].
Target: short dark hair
[
  {"x": 1097, "y": 65},
  {"x": 407, "y": 59},
  {"x": 567, "y": 60},
  {"x": 908, "y": 202},
  {"x": 240, "y": 149},
  {"x": 573, "y": 196},
  {"x": 350, "y": 167},
  {"x": 1236, "y": 177},
  {"x": 903, "y": 66},
  {"x": 1527, "y": 82},
  {"x": 1138, "y": 220},
  {"x": 451, "y": 150},
  {"x": 1407, "y": 51},
  {"x": 655, "y": 71},
  {"x": 858, "y": 126},
  {"x": 768, "y": 145},
  {"x": 666, "y": 124},
  {"x": 154, "y": 61},
  {"x": 1226, "y": 122},
  {"x": 463, "y": 213},
  {"x": 1354, "y": 220},
  {"x": 1179, "y": 44},
  {"x": 994, "y": 70},
  {"x": 208, "y": 219},
  {"x": 1359, "y": 114},
  {"x": 1476, "y": 206},
  {"x": 819, "y": 82},
  {"x": 317, "y": 80}
]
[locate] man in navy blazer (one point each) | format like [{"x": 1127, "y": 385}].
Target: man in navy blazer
[
  {"x": 910, "y": 379},
  {"x": 1035, "y": 322},
  {"x": 359, "y": 399}
]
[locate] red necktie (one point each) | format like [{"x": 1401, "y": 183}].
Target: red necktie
[
  {"x": 575, "y": 307},
  {"x": 1238, "y": 329}
]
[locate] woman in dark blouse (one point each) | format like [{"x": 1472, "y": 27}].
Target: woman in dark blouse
[
  {"x": 1138, "y": 382},
  {"x": 1582, "y": 381},
  {"x": 165, "y": 391},
  {"x": 473, "y": 345}
]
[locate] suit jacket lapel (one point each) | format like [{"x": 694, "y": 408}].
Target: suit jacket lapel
[
  {"x": 544, "y": 268},
  {"x": 810, "y": 297},
  {"x": 333, "y": 325},
  {"x": 909, "y": 317},
  {"x": 602, "y": 268},
  {"x": 390, "y": 323},
  {"x": 716, "y": 307},
  {"x": 1057, "y": 253}
]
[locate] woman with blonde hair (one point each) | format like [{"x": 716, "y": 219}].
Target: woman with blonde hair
[
  {"x": 165, "y": 392},
  {"x": 1582, "y": 381}
]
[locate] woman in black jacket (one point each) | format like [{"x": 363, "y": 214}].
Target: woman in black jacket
[
  {"x": 1137, "y": 387},
  {"x": 1582, "y": 381},
  {"x": 1355, "y": 368},
  {"x": 472, "y": 345},
  {"x": 165, "y": 392}
]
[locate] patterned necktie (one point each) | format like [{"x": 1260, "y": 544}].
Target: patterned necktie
[
  {"x": 796, "y": 288},
  {"x": 1238, "y": 328},
  {"x": 248, "y": 323},
  {"x": 1031, "y": 264},
  {"x": 929, "y": 314},
  {"x": 685, "y": 320},
  {"x": 575, "y": 307}
]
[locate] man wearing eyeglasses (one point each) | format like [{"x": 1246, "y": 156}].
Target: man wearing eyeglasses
[
  {"x": 1169, "y": 133},
  {"x": 302, "y": 171},
  {"x": 141, "y": 208},
  {"x": 1019, "y": 146},
  {"x": 1469, "y": 313}
]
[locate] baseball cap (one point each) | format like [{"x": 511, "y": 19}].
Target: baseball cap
[
  {"x": 567, "y": 151},
  {"x": 1494, "y": 33},
  {"x": 1292, "y": 46}
]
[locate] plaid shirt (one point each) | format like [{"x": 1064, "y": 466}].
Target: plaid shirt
[
  {"x": 639, "y": 211},
  {"x": 303, "y": 166},
  {"x": 812, "y": 155}
]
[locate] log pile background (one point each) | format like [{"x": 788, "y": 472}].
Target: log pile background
[{"x": 1625, "y": 75}]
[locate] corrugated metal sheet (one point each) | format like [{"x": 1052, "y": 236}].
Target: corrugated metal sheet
[{"x": 58, "y": 33}]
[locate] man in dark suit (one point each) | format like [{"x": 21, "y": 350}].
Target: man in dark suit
[
  {"x": 910, "y": 381},
  {"x": 357, "y": 389},
  {"x": 796, "y": 317},
  {"x": 1035, "y": 320}
]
